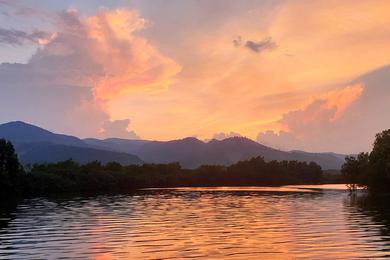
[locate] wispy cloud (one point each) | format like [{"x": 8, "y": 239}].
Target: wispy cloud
[
  {"x": 16, "y": 8},
  {"x": 18, "y": 37}
]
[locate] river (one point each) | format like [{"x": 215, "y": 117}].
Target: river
[{"x": 290, "y": 222}]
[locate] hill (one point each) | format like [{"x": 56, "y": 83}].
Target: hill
[
  {"x": 37, "y": 145},
  {"x": 30, "y": 153},
  {"x": 21, "y": 132}
]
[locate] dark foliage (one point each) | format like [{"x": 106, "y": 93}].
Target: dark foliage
[
  {"x": 371, "y": 170},
  {"x": 10, "y": 169},
  {"x": 94, "y": 177}
]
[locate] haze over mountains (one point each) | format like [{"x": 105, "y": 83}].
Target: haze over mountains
[{"x": 37, "y": 145}]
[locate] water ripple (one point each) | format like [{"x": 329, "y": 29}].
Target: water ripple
[{"x": 220, "y": 223}]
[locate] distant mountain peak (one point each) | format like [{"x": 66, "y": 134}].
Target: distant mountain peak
[
  {"x": 231, "y": 139},
  {"x": 239, "y": 138},
  {"x": 37, "y": 145},
  {"x": 191, "y": 139},
  {"x": 22, "y": 132},
  {"x": 20, "y": 124}
]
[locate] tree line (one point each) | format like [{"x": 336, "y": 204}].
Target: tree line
[
  {"x": 370, "y": 170},
  {"x": 94, "y": 177}
]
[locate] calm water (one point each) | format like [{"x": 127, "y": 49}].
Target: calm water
[{"x": 206, "y": 223}]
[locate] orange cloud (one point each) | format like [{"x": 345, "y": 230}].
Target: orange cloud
[
  {"x": 341, "y": 99},
  {"x": 223, "y": 88},
  {"x": 315, "y": 122},
  {"x": 130, "y": 62},
  {"x": 97, "y": 59},
  {"x": 324, "y": 110},
  {"x": 115, "y": 55}
]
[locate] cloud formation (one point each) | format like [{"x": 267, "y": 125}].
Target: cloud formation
[
  {"x": 321, "y": 112},
  {"x": 118, "y": 129},
  {"x": 314, "y": 125},
  {"x": 96, "y": 58},
  {"x": 282, "y": 140},
  {"x": 104, "y": 53},
  {"x": 95, "y": 70}
]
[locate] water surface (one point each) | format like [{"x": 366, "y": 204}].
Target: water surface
[{"x": 313, "y": 222}]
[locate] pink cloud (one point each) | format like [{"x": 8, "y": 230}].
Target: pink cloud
[
  {"x": 315, "y": 125},
  {"x": 101, "y": 57}
]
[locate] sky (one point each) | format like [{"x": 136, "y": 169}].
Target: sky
[{"x": 294, "y": 75}]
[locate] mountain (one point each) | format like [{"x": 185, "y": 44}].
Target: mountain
[
  {"x": 37, "y": 145},
  {"x": 30, "y": 153},
  {"x": 116, "y": 144},
  {"x": 191, "y": 152},
  {"x": 21, "y": 132},
  {"x": 328, "y": 161},
  {"x": 34, "y": 144}
]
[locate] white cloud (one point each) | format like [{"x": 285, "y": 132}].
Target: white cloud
[{"x": 222, "y": 135}]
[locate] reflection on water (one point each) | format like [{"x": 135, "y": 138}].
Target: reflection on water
[{"x": 234, "y": 223}]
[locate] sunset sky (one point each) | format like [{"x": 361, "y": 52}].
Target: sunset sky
[{"x": 299, "y": 74}]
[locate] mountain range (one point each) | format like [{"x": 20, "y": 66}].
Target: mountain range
[{"x": 37, "y": 145}]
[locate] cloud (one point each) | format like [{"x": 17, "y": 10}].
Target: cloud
[
  {"x": 207, "y": 98},
  {"x": 104, "y": 52},
  {"x": 220, "y": 86},
  {"x": 281, "y": 140},
  {"x": 17, "y": 37},
  {"x": 321, "y": 112},
  {"x": 131, "y": 63},
  {"x": 316, "y": 125},
  {"x": 256, "y": 46},
  {"x": 16, "y": 8},
  {"x": 260, "y": 46},
  {"x": 341, "y": 99},
  {"x": 222, "y": 135},
  {"x": 118, "y": 129},
  {"x": 94, "y": 59}
]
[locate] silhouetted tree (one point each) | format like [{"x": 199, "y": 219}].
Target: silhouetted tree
[
  {"x": 355, "y": 171},
  {"x": 380, "y": 161},
  {"x": 371, "y": 170},
  {"x": 9, "y": 163},
  {"x": 9, "y": 170}
]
